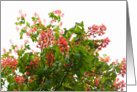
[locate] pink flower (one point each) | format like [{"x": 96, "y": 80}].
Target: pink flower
[
  {"x": 26, "y": 41},
  {"x": 35, "y": 29},
  {"x": 103, "y": 27},
  {"x": 61, "y": 32},
  {"x": 44, "y": 21},
  {"x": 25, "y": 15},
  {"x": 58, "y": 12},
  {"x": 20, "y": 11},
  {"x": 34, "y": 22},
  {"x": 21, "y": 46},
  {"x": 17, "y": 28},
  {"x": 117, "y": 79},
  {"x": 114, "y": 83},
  {"x": 15, "y": 51},
  {"x": 27, "y": 34},
  {"x": 22, "y": 15},
  {"x": 35, "y": 14},
  {"x": 60, "y": 24},
  {"x": 95, "y": 27},
  {"x": 107, "y": 59},
  {"x": 62, "y": 15},
  {"x": 33, "y": 51},
  {"x": 16, "y": 46},
  {"x": 4, "y": 50},
  {"x": 53, "y": 20},
  {"x": 116, "y": 60},
  {"x": 10, "y": 52},
  {"x": 11, "y": 41}
]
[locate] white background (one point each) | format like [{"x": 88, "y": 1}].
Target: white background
[
  {"x": 133, "y": 21},
  {"x": 91, "y": 13}
]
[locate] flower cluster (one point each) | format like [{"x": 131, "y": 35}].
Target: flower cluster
[
  {"x": 63, "y": 44},
  {"x": 71, "y": 77},
  {"x": 50, "y": 57},
  {"x": 87, "y": 89},
  {"x": 50, "y": 40},
  {"x": 86, "y": 74},
  {"x": 96, "y": 81},
  {"x": 37, "y": 20},
  {"x": 93, "y": 74},
  {"x": 104, "y": 43},
  {"x": 119, "y": 84},
  {"x": 46, "y": 38},
  {"x": 123, "y": 67},
  {"x": 31, "y": 78},
  {"x": 96, "y": 30},
  {"x": 16, "y": 90},
  {"x": 19, "y": 79},
  {"x": 42, "y": 81},
  {"x": 4, "y": 50},
  {"x": 32, "y": 66},
  {"x": 59, "y": 13},
  {"x": 107, "y": 59},
  {"x": 26, "y": 41},
  {"x": 34, "y": 29},
  {"x": 8, "y": 61},
  {"x": 22, "y": 15}
]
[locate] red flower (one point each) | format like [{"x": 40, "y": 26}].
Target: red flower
[
  {"x": 117, "y": 79},
  {"x": 30, "y": 80},
  {"x": 19, "y": 79},
  {"x": 71, "y": 77},
  {"x": 33, "y": 77},
  {"x": 8, "y": 61},
  {"x": 96, "y": 81},
  {"x": 86, "y": 74},
  {"x": 27, "y": 73},
  {"x": 15, "y": 90}
]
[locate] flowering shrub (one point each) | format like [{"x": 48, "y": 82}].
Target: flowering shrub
[{"x": 64, "y": 62}]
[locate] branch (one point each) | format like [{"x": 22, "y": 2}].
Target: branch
[
  {"x": 29, "y": 87},
  {"x": 62, "y": 81}
]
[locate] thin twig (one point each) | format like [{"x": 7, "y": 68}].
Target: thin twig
[
  {"x": 101, "y": 74},
  {"x": 62, "y": 81},
  {"x": 29, "y": 87}
]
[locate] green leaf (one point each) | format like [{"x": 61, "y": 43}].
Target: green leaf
[
  {"x": 21, "y": 35},
  {"x": 57, "y": 28}
]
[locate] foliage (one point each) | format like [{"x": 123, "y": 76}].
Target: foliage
[{"x": 64, "y": 62}]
